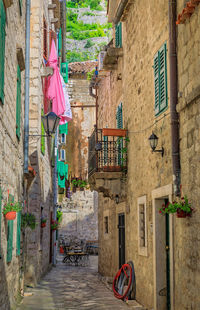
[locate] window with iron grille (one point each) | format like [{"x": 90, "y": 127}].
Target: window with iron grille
[
  {"x": 106, "y": 224},
  {"x": 160, "y": 80},
  {"x": 142, "y": 226},
  {"x": 62, "y": 155},
  {"x": 63, "y": 138}
]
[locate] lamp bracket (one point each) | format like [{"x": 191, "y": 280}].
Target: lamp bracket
[{"x": 160, "y": 151}]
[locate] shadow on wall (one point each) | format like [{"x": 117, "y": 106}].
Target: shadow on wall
[
  {"x": 4, "y": 297},
  {"x": 38, "y": 242}
]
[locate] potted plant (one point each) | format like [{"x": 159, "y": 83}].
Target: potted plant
[
  {"x": 54, "y": 225},
  {"x": 182, "y": 208},
  {"x": 43, "y": 222},
  {"x": 10, "y": 209},
  {"x": 28, "y": 220}
]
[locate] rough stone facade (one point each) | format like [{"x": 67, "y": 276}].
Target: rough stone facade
[
  {"x": 149, "y": 179},
  {"x": 187, "y": 231},
  {"x": 11, "y": 150},
  {"x": 83, "y": 224},
  {"x": 80, "y": 220}
]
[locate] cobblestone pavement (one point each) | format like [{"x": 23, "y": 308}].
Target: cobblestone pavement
[{"x": 70, "y": 287}]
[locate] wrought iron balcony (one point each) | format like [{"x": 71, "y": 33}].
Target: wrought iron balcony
[
  {"x": 107, "y": 151},
  {"x": 107, "y": 160}
]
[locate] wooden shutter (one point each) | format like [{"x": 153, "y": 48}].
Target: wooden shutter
[
  {"x": 118, "y": 35},
  {"x": 64, "y": 71},
  {"x": 20, "y": 7},
  {"x": 9, "y": 241},
  {"x": 52, "y": 35},
  {"x": 45, "y": 46},
  {"x": 42, "y": 137},
  {"x": 160, "y": 80},
  {"x": 0, "y": 218},
  {"x": 18, "y": 233},
  {"x": 18, "y": 103},
  {"x": 60, "y": 42},
  {"x": 119, "y": 117},
  {"x": 2, "y": 49}
]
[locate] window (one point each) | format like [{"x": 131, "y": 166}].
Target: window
[
  {"x": 42, "y": 136},
  {"x": 59, "y": 42},
  {"x": 62, "y": 155},
  {"x": 105, "y": 150},
  {"x": 2, "y": 49},
  {"x": 142, "y": 226},
  {"x": 63, "y": 138},
  {"x": 106, "y": 224},
  {"x": 160, "y": 80},
  {"x": 18, "y": 103},
  {"x": 118, "y": 35},
  {"x": 119, "y": 116}
]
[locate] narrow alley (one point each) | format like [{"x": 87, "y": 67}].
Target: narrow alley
[{"x": 72, "y": 287}]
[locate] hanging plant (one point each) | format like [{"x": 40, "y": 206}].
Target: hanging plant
[
  {"x": 54, "y": 225},
  {"x": 28, "y": 220},
  {"x": 181, "y": 207},
  {"x": 43, "y": 222},
  {"x": 10, "y": 209},
  {"x": 59, "y": 215}
]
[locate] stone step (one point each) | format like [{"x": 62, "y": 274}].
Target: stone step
[{"x": 133, "y": 304}]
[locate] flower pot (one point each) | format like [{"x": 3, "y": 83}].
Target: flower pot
[
  {"x": 183, "y": 214},
  {"x": 43, "y": 225},
  {"x": 10, "y": 215},
  {"x": 61, "y": 250}
]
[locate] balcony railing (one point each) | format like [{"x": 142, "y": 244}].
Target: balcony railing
[{"x": 107, "y": 151}]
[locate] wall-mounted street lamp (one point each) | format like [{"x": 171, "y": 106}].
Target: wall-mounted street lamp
[
  {"x": 153, "y": 140},
  {"x": 117, "y": 199},
  {"x": 50, "y": 122}
]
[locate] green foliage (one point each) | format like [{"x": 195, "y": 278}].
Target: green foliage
[
  {"x": 59, "y": 215},
  {"x": 28, "y": 220},
  {"x": 89, "y": 44},
  {"x": 93, "y": 4},
  {"x": 54, "y": 225},
  {"x": 88, "y": 14},
  {"x": 79, "y": 183},
  {"x": 176, "y": 206},
  {"x": 90, "y": 75},
  {"x": 74, "y": 56},
  {"x": 43, "y": 220},
  {"x": 12, "y": 206}
]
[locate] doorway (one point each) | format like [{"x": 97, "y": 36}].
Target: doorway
[
  {"x": 163, "y": 251},
  {"x": 121, "y": 238}
]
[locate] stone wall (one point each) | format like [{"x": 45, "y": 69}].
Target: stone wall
[
  {"x": 80, "y": 220},
  {"x": 40, "y": 196},
  {"x": 187, "y": 231},
  {"x": 11, "y": 150}
]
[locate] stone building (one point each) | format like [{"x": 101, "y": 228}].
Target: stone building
[
  {"x": 25, "y": 254},
  {"x": 136, "y": 92},
  {"x": 80, "y": 206}
]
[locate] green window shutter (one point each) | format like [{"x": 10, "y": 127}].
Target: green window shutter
[
  {"x": 0, "y": 218},
  {"x": 118, "y": 35},
  {"x": 64, "y": 71},
  {"x": 119, "y": 117},
  {"x": 9, "y": 241},
  {"x": 18, "y": 233},
  {"x": 2, "y": 49},
  {"x": 18, "y": 102},
  {"x": 160, "y": 80},
  {"x": 42, "y": 138},
  {"x": 20, "y": 7},
  {"x": 59, "y": 42}
]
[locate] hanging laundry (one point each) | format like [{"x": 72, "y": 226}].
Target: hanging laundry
[
  {"x": 55, "y": 90},
  {"x": 67, "y": 116}
]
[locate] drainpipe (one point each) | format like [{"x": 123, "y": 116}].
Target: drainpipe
[
  {"x": 27, "y": 77},
  {"x": 173, "y": 97},
  {"x": 55, "y": 198}
]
